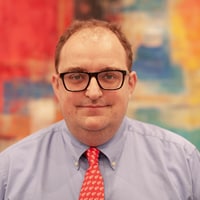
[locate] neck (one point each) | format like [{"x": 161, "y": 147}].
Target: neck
[{"x": 93, "y": 137}]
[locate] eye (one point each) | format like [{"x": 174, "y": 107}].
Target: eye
[
  {"x": 76, "y": 77},
  {"x": 109, "y": 76}
]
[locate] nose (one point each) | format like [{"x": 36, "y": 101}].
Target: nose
[{"x": 93, "y": 90}]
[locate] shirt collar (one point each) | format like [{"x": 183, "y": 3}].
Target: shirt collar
[{"x": 112, "y": 149}]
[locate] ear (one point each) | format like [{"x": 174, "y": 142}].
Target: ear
[
  {"x": 55, "y": 84},
  {"x": 132, "y": 82}
]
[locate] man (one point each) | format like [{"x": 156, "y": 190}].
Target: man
[{"x": 93, "y": 83}]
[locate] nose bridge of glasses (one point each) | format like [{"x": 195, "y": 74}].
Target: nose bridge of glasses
[{"x": 93, "y": 75}]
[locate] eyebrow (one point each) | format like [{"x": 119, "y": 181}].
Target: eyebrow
[
  {"x": 75, "y": 69},
  {"x": 83, "y": 69}
]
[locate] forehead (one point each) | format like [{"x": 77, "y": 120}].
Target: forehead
[
  {"x": 94, "y": 34},
  {"x": 94, "y": 47}
]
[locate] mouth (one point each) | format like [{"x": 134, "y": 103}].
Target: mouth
[{"x": 93, "y": 107}]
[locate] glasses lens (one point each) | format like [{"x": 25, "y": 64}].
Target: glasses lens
[
  {"x": 76, "y": 81},
  {"x": 110, "y": 80}
]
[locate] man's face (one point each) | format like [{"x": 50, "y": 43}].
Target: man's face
[{"x": 93, "y": 115}]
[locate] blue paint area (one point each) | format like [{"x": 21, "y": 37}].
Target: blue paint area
[
  {"x": 153, "y": 64},
  {"x": 147, "y": 6},
  {"x": 18, "y": 92}
]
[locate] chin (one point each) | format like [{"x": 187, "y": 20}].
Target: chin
[
  {"x": 95, "y": 124},
  {"x": 94, "y": 127}
]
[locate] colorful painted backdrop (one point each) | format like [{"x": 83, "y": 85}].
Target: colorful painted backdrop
[{"x": 165, "y": 34}]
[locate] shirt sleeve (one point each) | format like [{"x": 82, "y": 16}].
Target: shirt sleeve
[{"x": 195, "y": 173}]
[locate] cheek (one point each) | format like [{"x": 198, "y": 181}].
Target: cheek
[
  {"x": 66, "y": 102},
  {"x": 123, "y": 100},
  {"x": 120, "y": 99}
]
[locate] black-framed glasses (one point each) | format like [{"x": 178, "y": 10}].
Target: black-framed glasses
[{"x": 107, "y": 80}]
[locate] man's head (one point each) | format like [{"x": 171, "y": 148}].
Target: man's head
[{"x": 93, "y": 81}]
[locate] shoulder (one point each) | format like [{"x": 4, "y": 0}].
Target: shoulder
[
  {"x": 31, "y": 150},
  {"x": 156, "y": 135},
  {"x": 33, "y": 141},
  {"x": 32, "y": 155}
]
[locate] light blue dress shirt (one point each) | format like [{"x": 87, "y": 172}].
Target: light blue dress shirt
[{"x": 141, "y": 162}]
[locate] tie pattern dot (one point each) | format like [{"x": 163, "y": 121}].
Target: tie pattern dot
[{"x": 92, "y": 187}]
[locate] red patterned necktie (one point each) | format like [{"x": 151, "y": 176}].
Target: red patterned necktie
[{"x": 92, "y": 188}]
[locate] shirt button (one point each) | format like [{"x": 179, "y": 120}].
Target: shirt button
[{"x": 113, "y": 164}]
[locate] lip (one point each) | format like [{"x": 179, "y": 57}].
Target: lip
[
  {"x": 93, "y": 106},
  {"x": 93, "y": 110}
]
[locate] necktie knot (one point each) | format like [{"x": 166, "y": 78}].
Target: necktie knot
[{"x": 92, "y": 155}]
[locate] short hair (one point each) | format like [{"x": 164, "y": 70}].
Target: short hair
[{"x": 78, "y": 25}]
